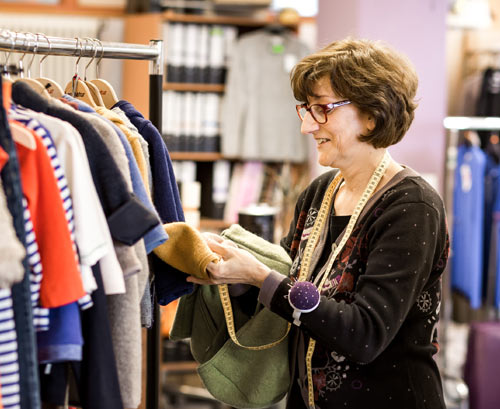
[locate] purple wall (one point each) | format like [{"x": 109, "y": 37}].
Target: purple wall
[{"x": 416, "y": 28}]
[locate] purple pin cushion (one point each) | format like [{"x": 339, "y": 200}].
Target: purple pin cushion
[{"x": 303, "y": 296}]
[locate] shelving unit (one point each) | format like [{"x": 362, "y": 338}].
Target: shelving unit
[
  {"x": 192, "y": 87},
  {"x": 213, "y": 224},
  {"x": 139, "y": 28},
  {"x": 213, "y": 19},
  {"x": 196, "y": 156},
  {"x": 64, "y": 7}
]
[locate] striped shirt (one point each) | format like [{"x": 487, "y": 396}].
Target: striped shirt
[
  {"x": 9, "y": 365},
  {"x": 40, "y": 314}
]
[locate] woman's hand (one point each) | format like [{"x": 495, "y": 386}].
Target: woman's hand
[{"x": 236, "y": 265}]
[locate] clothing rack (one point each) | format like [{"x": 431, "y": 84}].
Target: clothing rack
[
  {"x": 46, "y": 45},
  {"x": 454, "y": 125}
]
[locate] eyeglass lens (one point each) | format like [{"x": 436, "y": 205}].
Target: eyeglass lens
[{"x": 317, "y": 112}]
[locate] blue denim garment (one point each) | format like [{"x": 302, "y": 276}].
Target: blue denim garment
[{"x": 23, "y": 316}]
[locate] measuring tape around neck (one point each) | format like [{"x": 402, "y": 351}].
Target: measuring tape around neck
[{"x": 312, "y": 241}]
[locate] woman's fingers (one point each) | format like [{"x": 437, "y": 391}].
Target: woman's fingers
[
  {"x": 196, "y": 280},
  {"x": 221, "y": 248},
  {"x": 212, "y": 236}
]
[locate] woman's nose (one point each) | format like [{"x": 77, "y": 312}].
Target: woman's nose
[{"x": 309, "y": 125}]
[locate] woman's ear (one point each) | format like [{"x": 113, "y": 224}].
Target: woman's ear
[{"x": 370, "y": 123}]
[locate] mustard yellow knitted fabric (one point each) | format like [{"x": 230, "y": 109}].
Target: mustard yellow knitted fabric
[
  {"x": 186, "y": 250},
  {"x": 133, "y": 140}
]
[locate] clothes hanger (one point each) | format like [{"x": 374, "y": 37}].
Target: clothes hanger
[
  {"x": 105, "y": 88},
  {"x": 19, "y": 133},
  {"x": 35, "y": 85},
  {"x": 96, "y": 95},
  {"x": 76, "y": 87},
  {"x": 22, "y": 136},
  {"x": 52, "y": 87}
]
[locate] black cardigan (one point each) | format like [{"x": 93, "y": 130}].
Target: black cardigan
[{"x": 376, "y": 330}]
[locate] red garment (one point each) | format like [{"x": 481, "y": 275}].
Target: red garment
[
  {"x": 4, "y": 157},
  {"x": 6, "y": 94},
  {"x": 61, "y": 283}
]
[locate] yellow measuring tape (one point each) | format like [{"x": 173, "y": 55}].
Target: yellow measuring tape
[
  {"x": 314, "y": 237},
  {"x": 228, "y": 314}
]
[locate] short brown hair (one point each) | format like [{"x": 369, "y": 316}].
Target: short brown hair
[{"x": 375, "y": 78}]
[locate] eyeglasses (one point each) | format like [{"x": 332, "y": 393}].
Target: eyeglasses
[{"x": 319, "y": 112}]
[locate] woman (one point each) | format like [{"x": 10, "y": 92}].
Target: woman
[{"x": 374, "y": 327}]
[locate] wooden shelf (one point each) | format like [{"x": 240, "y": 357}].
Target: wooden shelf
[
  {"x": 181, "y": 366},
  {"x": 213, "y": 19},
  {"x": 196, "y": 156},
  {"x": 184, "y": 86},
  {"x": 68, "y": 7},
  {"x": 214, "y": 224}
]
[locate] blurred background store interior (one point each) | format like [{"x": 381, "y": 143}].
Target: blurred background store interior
[{"x": 455, "y": 47}]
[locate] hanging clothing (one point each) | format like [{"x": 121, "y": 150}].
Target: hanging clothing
[
  {"x": 9, "y": 365},
  {"x": 258, "y": 118},
  {"x": 48, "y": 215},
  {"x": 467, "y": 243},
  {"x": 124, "y": 309},
  {"x": 40, "y": 314},
  {"x": 12, "y": 252},
  {"x": 154, "y": 237},
  {"x": 170, "y": 283},
  {"x": 132, "y": 138},
  {"x": 144, "y": 144},
  {"x": 65, "y": 194},
  {"x": 91, "y": 231},
  {"x": 119, "y": 204},
  {"x": 21, "y": 303},
  {"x": 157, "y": 235}
]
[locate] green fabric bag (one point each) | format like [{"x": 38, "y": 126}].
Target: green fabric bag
[{"x": 234, "y": 375}]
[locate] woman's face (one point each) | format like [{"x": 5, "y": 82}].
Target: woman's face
[{"x": 337, "y": 140}]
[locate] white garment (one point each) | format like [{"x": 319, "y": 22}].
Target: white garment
[
  {"x": 91, "y": 229},
  {"x": 12, "y": 252}
]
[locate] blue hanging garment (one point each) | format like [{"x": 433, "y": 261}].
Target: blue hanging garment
[{"x": 468, "y": 218}]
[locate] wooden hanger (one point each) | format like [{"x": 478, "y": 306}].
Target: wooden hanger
[
  {"x": 76, "y": 87},
  {"x": 96, "y": 95},
  {"x": 33, "y": 84},
  {"x": 22, "y": 136},
  {"x": 79, "y": 90},
  {"x": 106, "y": 90},
  {"x": 52, "y": 87}
]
